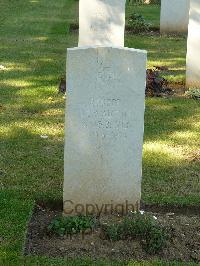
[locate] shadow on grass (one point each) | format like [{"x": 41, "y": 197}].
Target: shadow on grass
[
  {"x": 171, "y": 137},
  {"x": 34, "y": 54},
  {"x": 33, "y": 165}
]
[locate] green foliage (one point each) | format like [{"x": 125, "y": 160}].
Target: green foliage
[
  {"x": 113, "y": 231},
  {"x": 155, "y": 239},
  {"x": 138, "y": 224},
  {"x": 151, "y": 13},
  {"x": 142, "y": 226},
  {"x": 138, "y": 23},
  {"x": 193, "y": 93},
  {"x": 71, "y": 225}
]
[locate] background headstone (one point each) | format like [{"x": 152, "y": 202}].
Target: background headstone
[
  {"x": 101, "y": 22},
  {"x": 104, "y": 126},
  {"x": 174, "y": 15},
  {"x": 193, "y": 46}
]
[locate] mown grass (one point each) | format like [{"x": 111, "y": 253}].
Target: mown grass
[
  {"x": 166, "y": 50},
  {"x": 151, "y": 13},
  {"x": 34, "y": 36}
]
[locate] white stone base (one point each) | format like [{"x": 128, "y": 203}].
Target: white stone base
[
  {"x": 174, "y": 15},
  {"x": 104, "y": 129},
  {"x": 193, "y": 47}
]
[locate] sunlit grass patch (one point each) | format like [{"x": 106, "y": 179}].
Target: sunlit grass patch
[{"x": 165, "y": 150}]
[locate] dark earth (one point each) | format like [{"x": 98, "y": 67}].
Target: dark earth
[
  {"x": 182, "y": 245},
  {"x": 156, "y": 84}
]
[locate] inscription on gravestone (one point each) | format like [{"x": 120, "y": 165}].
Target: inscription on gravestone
[
  {"x": 108, "y": 117},
  {"x": 104, "y": 126}
]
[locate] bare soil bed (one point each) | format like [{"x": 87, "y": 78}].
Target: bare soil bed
[{"x": 182, "y": 245}]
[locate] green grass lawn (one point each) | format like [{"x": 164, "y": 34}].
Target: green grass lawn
[
  {"x": 34, "y": 36},
  {"x": 151, "y": 13}
]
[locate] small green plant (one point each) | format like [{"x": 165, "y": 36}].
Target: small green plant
[
  {"x": 138, "y": 23},
  {"x": 113, "y": 231},
  {"x": 71, "y": 225},
  {"x": 193, "y": 93},
  {"x": 137, "y": 224},
  {"x": 155, "y": 239},
  {"x": 141, "y": 226}
]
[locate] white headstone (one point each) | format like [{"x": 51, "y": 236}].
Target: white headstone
[
  {"x": 174, "y": 15},
  {"x": 104, "y": 129},
  {"x": 193, "y": 47},
  {"x": 101, "y": 22}
]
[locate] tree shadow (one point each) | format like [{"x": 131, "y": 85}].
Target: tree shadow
[
  {"x": 171, "y": 139},
  {"x": 34, "y": 57}
]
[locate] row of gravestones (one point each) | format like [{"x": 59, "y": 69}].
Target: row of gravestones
[
  {"x": 104, "y": 114},
  {"x": 183, "y": 16}
]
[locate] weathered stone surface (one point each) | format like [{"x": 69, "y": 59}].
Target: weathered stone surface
[
  {"x": 174, "y": 15},
  {"x": 101, "y": 22},
  {"x": 193, "y": 46},
  {"x": 104, "y": 128}
]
